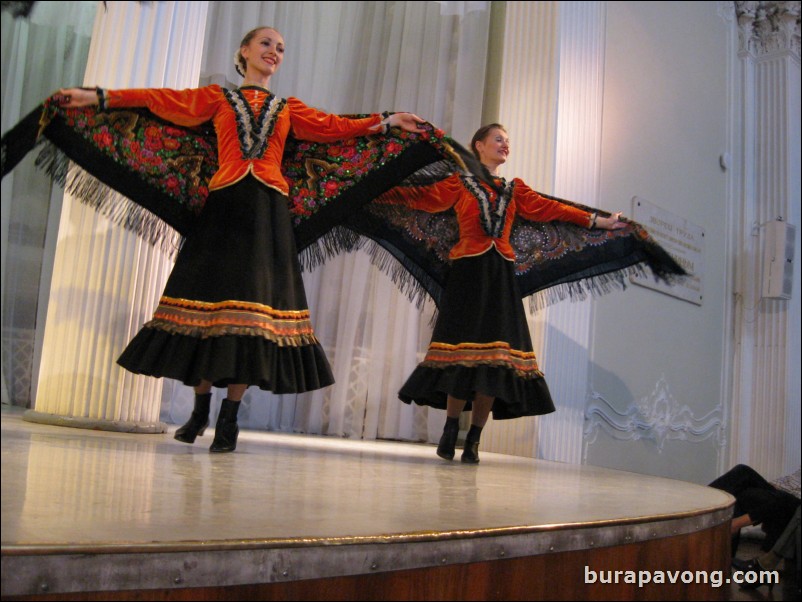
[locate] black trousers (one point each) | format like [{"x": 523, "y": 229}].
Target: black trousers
[{"x": 766, "y": 505}]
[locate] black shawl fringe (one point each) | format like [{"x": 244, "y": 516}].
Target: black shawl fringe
[
  {"x": 334, "y": 242},
  {"x": 590, "y": 287},
  {"x": 119, "y": 209},
  {"x": 418, "y": 286},
  {"x": 408, "y": 279},
  {"x": 411, "y": 281}
]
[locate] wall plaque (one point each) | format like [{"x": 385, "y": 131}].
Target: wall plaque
[{"x": 682, "y": 240}]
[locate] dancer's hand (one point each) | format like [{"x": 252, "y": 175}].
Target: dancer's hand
[
  {"x": 406, "y": 121},
  {"x": 610, "y": 223},
  {"x": 75, "y": 98}
]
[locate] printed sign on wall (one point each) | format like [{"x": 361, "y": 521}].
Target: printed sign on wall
[{"x": 682, "y": 240}]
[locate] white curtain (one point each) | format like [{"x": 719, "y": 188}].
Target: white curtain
[
  {"x": 358, "y": 57},
  {"x": 39, "y": 54}
]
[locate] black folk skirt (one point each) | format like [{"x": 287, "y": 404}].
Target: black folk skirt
[
  {"x": 234, "y": 310},
  {"x": 481, "y": 344}
]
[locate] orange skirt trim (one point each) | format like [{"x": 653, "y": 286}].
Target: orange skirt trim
[
  {"x": 498, "y": 353},
  {"x": 203, "y": 319}
]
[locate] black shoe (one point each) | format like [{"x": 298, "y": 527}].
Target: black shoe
[
  {"x": 746, "y": 565},
  {"x": 448, "y": 441},
  {"x": 751, "y": 566},
  {"x": 198, "y": 421},
  {"x": 226, "y": 430},
  {"x": 470, "y": 453}
]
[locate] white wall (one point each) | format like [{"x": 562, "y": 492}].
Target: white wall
[{"x": 654, "y": 357}]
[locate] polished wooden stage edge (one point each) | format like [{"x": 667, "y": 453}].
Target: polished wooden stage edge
[{"x": 102, "y": 515}]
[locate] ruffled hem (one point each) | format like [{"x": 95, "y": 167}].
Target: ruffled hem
[
  {"x": 515, "y": 397},
  {"x": 226, "y": 360}
]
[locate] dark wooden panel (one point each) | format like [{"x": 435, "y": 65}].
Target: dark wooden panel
[{"x": 558, "y": 576}]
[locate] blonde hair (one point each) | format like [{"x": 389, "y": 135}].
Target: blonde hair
[{"x": 239, "y": 62}]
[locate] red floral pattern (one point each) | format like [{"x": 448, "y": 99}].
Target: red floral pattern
[
  {"x": 318, "y": 173},
  {"x": 176, "y": 160},
  {"x": 180, "y": 161}
]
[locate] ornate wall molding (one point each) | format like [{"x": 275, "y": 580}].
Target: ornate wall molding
[
  {"x": 768, "y": 27},
  {"x": 658, "y": 417},
  {"x": 765, "y": 125}
]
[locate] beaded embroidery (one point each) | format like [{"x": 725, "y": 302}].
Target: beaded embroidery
[
  {"x": 493, "y": 219},
  {"x": 254, "y": 132}
]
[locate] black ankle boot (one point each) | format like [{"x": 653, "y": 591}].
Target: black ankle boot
[
  {"x": 470, "y": 453},
  {"x": 197, "y": 422},
  {"x": 226, "y": 430},
  {"x": 448, "y": 441},
  {"x": 751, "y": 566}
]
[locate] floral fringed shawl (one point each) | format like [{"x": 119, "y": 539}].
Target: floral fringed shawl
[
  {"x": 163, "y": 170},
  {"x": 161, "y": 173},
  {"x": 561, "y": 258}
]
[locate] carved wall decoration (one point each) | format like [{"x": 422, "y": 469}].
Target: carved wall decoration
[
  {"x": 658, "y": 417},
  {"x": 768, "y": 27}
]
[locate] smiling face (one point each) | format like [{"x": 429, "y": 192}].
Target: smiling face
[
  {"x": 263, "y": 53},
  {"x": 494, "y": 148}
]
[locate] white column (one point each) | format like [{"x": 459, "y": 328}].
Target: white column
[
  {"x": 766, "y": 388},
  {"x": 567, "y": 355},
  {"x": 550, "y": 101},
  {"x": 107, "y": 281}
]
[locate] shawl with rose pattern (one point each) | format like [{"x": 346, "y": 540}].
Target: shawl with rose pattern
[{"x": 161, "y": 173}]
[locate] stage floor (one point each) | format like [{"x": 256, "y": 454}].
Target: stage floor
[{"x": 74, "y": 493}]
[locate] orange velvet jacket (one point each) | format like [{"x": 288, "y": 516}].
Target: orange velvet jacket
[
  {"x": 473, "y": 237},
  {"x": 244, "y": 120}
]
